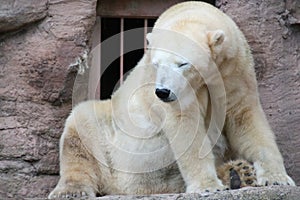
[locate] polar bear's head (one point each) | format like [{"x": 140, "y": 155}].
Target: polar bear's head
[{"x": 181, "y": 62}]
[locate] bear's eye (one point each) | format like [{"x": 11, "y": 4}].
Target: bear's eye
[{"x": 183, "y": 64}]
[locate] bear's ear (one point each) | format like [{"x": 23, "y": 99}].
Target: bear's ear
[
  {"x": 149, "y": 37},
  {"x": 215, "y": 37}
]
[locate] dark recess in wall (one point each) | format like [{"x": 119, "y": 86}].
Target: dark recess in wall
[{"x": 111, "y": 76}]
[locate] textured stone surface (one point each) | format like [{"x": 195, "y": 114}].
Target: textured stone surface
[
  {"x": 275, "y": 44},
  {"x": 15, "y": 14},
  {"x": 293, "y": 9},
  {"x": 36, "y": 85},
  {"x": 36, "y": 88},
  {"x": 264, "y": 193}
]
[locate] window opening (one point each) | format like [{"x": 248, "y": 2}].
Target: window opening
[{"x": 113, "y": 18}]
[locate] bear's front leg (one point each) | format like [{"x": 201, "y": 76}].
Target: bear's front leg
[
  {"x": 80, "y": 173},
  {"x": 187, "y": 137},
  {"x": 251, "y": 137},
  {"x": 77, "y": 169}
]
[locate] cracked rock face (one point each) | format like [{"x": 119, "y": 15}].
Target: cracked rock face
[{"x": 39, "y": 39}]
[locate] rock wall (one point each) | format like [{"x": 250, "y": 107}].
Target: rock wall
[{"x": 39, "y": 39}]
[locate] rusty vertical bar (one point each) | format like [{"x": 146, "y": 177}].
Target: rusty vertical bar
[
  {"x": 145, "y": 33},
  {"x": 98, "y": 90},
  {"x": 121, "y": 50}
]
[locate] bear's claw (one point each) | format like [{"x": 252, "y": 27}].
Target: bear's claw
[
  {"x": 217, "y": 187},
  {"x": 72, "y": 192},
  {"x": 268, "y": 179}
]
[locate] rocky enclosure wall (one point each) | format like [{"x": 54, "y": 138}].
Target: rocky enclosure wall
[
  {"x": 39, "y": 39},
  {"x": 44, "y": 38}
]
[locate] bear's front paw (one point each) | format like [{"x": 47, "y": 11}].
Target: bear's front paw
[
  {"x": 266, "y": 179},
  {"x": 217, "y": 187},
  {"x": 267, "y": 176},
  {"x": 72, "y": 191}
]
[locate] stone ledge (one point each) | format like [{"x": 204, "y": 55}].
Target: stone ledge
[{"x": 262, "y": 193}]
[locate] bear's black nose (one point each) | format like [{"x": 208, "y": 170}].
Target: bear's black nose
[{"x": 162, "y": 93}]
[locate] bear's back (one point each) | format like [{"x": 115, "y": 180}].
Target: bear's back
[{"x": 193, "y": 10}]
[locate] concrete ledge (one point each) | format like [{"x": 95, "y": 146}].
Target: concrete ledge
[{"x": 261, "y": 193}]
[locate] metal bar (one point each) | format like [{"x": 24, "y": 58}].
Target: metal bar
[
  {"x": 145, "y": 33},
  {"x": 98, "y": 90},
  {"x": 121, "y": 50}
]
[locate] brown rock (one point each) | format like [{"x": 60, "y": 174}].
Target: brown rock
[
  {"x": 15, "y": 14},
  {"x": 36, "y": 88},
  {"x": 293, "y": 8}
]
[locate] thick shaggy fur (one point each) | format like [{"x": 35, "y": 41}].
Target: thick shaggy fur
[{"x": 137, "y": 144}]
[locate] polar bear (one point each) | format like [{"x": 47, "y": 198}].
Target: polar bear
[{"x": 189, "y": 105}]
